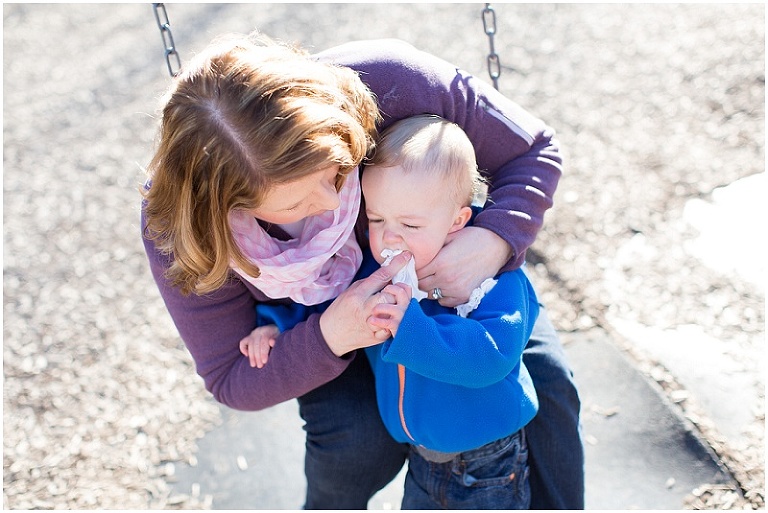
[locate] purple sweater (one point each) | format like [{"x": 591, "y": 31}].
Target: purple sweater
[{"x": 516, "y": 150}]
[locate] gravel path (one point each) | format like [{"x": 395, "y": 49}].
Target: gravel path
[{"x": 655, "y": 105}]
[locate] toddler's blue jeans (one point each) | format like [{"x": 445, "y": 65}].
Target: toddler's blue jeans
[
  {"x": 350, "y": 456},
  {"x": 494, "y": 476}
]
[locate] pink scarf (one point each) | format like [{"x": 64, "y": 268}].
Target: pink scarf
[{"x": 314, "y": 267}]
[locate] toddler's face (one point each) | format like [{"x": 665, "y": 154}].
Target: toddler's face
[{"x": 413, "y": 212}]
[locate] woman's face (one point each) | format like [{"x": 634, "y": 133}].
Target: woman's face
[{"x": 293, "y": 201}]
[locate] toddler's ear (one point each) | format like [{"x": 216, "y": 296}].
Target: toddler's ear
[{"x": 461, "y": 219}]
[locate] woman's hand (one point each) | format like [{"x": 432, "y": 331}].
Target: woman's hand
[
  {"x": 468, "y": 257},
  {"x": 345, "y": 324}
]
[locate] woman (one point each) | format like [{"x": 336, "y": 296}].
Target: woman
[{"x": 257, "y": 162}]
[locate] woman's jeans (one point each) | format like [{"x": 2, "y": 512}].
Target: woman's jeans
[
  {"x": 350, "y": 456},
  {"x": 494, "y": 476}
]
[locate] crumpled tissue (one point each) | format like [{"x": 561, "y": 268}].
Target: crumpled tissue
[{"x": 405, "y": 275}]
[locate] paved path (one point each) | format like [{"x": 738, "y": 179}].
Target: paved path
[{"x": 640, "y": 453}]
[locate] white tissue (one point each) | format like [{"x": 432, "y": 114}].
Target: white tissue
[
  {"x": 405, "y": 275},
  {"x": 475, "y": 297}
]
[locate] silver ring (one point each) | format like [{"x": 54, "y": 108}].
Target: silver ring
[{"x": 437, "y": 293}]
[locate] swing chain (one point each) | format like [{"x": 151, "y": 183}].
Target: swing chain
[
  {"x": 489, "y": 25},
  {"x": 174, "y": 66}
]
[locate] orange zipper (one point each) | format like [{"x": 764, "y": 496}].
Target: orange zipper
[{"x": 401, "y": 376}]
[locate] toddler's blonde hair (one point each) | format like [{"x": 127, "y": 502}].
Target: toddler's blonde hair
[{"x": 429, "y": 143}]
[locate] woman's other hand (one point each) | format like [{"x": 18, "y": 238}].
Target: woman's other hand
[{"x": 469, "y": 256}]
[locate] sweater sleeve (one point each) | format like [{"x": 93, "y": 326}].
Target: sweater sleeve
[
  {"x": 516, "y": 151},
  {"x": 212, "y": 326},
  {"x": 474, "y": 352}
]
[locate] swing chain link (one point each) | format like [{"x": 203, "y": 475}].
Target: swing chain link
[
  {"x": 489, "y": 25},
  {"x": 172, "y": 58}
]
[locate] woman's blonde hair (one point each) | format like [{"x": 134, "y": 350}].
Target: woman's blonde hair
[
  {"x": 429, "y": 143},
  {"x": 246, "y": 114}
]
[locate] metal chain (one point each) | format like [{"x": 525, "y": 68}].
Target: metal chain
[
  {"x": 171, "y": 55},
  {"x": 173, "y": 60},
  {"x": 489, "y": 25}
]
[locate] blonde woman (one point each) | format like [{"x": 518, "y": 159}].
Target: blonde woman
[{"x": 253, "y": 198}]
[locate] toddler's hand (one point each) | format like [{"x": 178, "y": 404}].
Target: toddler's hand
[
  {"x": 388, "y": 314},
  {"x": 258, "y": 344}
]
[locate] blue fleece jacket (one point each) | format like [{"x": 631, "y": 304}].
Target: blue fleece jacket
[{"x": 452, "y": 384}]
